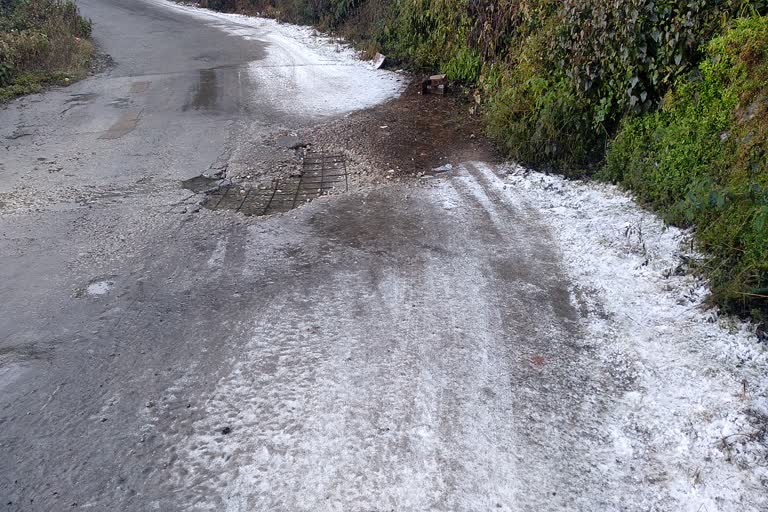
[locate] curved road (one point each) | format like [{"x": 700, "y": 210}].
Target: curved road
[{"x": 378, "y": 351}]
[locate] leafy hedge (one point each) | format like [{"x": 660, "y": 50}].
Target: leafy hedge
[
  {"x": 606, "y": 59},
  {"x": 41, "y": 41},
  {"x": 703, "y": 159}
]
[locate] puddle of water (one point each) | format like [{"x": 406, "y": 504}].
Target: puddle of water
[
  {"x": 99, "y": 288},
  {"x": 206, "y": 92},
  {"x": 199, "y": 184}
]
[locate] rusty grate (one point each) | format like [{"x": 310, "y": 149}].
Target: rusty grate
[{"x": 321, "y": 173}]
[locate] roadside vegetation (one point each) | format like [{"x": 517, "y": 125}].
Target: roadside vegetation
[
  {"x": 668, "y": 98},
  {"x": 42, "y": 42}
]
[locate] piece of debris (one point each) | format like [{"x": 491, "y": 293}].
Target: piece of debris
[
  {"x": 226, "y": 430},
  {"x": 436, "y": 84},
  {"x": 378, "y": 61},
  {"x": 443, "y": 168}
]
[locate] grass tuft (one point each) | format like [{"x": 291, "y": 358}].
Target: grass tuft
[{"x": 42, "y": 42}]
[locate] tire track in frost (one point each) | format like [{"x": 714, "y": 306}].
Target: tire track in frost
[{"x": 392, "y": 370}]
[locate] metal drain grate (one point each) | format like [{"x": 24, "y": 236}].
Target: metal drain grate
[
  {"x": 324, "y": 170},
  {"x": 321, "y": 173}
]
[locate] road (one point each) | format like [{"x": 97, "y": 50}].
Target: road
[{"x": 402, "y": 348}]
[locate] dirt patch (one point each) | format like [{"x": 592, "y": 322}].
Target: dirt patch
[{"x": 408, "y": 136}]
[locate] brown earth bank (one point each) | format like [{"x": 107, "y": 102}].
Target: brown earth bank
[{"x": 410, "y": 135}]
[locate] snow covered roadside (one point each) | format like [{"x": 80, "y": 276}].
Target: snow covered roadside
[
  {"x": 694, "y": 417},
  {"x": 304, "y": 73}
]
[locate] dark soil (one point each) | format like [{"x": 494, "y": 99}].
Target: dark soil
[
  {"x": 100, "y": 62},
  {"x": 411, "y": 134}
]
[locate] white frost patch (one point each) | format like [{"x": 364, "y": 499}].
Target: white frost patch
[
  {"x": 216, "y": 261},
  {"x": 99, "y": 288},
  {"x": 304, "y": 73},
  {"x": 695, "y": 405}
]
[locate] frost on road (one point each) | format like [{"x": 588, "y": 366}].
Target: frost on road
[
  {"x": 517, "y": 343},
  {"x": 303, "y": 73},
  {"x": 488, "y": 339},
  {"x": 691, "y": 423}
]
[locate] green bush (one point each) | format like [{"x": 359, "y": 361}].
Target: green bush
[
  {"x": 532, "y": 113},
  {"x": 41, "y": 42},
  {"x": 431, "y": 34},
  {"x": 703, "y": 160},
  {"x": 604, "y": 59}
]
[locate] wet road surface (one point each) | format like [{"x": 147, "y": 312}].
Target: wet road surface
[{"x": 375, "y": 351}]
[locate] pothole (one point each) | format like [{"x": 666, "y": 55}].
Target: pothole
[{"x": 321, "y": 174}]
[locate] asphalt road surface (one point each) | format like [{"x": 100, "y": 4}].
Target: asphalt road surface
[{"x": 371, "y": 351}]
